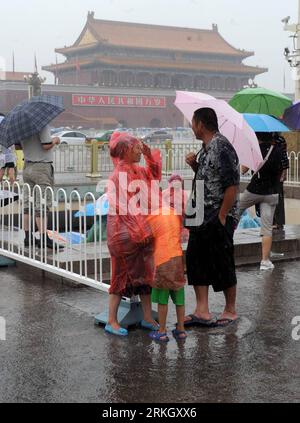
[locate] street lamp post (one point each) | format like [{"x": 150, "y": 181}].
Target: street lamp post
[
  {"x": 35, "y": 82},
  {"x": 293, "y": 57}
]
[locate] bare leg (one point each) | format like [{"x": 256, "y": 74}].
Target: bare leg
[
  {"x": 29, "y": 229},
  {"x": 41, "y": 224},
  {"x": 180, "y": 311},
  {"x": 2, "y": 171},
  {"x": 26, "y": 222},
  {"x": 114, "y": 302},
  {"x": 230, "y": 308},
  {"x": 162, "y": 318},
  {"x": 147, "y": 309},
  {"x": 202, "y": 307},
  {"x": 11, "y": 175},
  {"x": 266, "y": 247}
]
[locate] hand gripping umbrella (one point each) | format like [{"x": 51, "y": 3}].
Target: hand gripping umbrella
[{"x": 29, "y": 118}]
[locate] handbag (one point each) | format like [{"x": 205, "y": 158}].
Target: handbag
[
  {"x": 191, "y": 217},
  {"x": 257, "y": 173}
]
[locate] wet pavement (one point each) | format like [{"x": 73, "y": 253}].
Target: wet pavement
[{"x": 54, "y": 353}]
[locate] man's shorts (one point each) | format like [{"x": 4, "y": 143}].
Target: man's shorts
[
  {"x": 41, "y": 174},
  {"x": 267, "y": 203},
  {"x": 161, "y": 296},
  {"x": 210, "y": 256},
  {"x": 9, "y": 166}
]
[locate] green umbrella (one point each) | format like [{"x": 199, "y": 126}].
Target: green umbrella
[{"x": 260, "y": 100}]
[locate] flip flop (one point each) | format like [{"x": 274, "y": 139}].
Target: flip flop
[
  {"x": 117, "y": 332},
  {"x": 224, "y": 323},
  {"x": 178, "y": 335},
  {"x": 149, "y": 326},
  {"x": 196, "y": 321},
  {"x": 157, "y": 336}
]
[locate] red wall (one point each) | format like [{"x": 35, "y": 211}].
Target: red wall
[{"x": 135, "y": 117}]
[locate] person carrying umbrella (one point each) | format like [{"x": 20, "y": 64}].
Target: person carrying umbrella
[
  {"x": 279, "y": 217},
  {"x": 38, "y": 170},
  {"x": 263, "y": 191},
  {"x": 210, "y": 252},
  {"x": 27, "y": 126}
]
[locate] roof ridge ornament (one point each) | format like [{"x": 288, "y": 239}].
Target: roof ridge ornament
[{"x": 91, "y": 15}]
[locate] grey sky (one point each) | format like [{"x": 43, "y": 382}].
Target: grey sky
[{"x": 41, "y": 26}]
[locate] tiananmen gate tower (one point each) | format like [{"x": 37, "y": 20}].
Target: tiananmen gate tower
[{"x": 127, "y": 73}]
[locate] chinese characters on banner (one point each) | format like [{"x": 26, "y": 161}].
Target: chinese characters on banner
[{"x": 119, "y": 101}]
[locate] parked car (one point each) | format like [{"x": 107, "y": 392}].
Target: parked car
[
  {"x": 101, "y": 138},
  {"x": 71, "y": 137},
  {"x": 57, "y": 130},
  {"x": 158, "y": 136},
  {"x": 182, "y": 129}
]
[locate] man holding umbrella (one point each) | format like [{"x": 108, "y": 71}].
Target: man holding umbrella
[
  {"x": 27, "y": 126},
  {"x": 38, "y": 170},
  {"x": 210, "y": 253},
  {"x": 227, "y": 141}
]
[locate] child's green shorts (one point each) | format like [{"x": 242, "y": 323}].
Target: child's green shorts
[{"x": 161, "y": 296}]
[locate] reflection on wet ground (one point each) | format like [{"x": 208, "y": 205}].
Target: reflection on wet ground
[{"x": 54, "y": 353}]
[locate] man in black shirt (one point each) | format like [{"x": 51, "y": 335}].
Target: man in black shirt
[
  {"x": 210, "y": 253},
  {"x": 263, "y": 191}
]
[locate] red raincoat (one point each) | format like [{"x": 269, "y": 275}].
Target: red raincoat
[{"x": 129, "y": 236}]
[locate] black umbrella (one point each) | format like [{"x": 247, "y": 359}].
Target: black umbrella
[{"x": 29, "y": 118}]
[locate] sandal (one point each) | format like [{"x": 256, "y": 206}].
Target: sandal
[
  {"x": 179, "y": 335},
  {"x": 224, "y": 323},
  {"x": 196, "y": 321},
  {"x": 117, "y": 332},
  {"x": 159, "y": 337}
]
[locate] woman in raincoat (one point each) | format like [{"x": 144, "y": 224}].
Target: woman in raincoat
[{"x": 129, "y": 236}]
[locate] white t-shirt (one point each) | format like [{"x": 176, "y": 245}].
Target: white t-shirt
[{"x": 33, "y": 147}]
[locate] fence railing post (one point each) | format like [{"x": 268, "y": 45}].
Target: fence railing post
[
  {"x": 94, "y": 161},
  {"x": 169, "y": 157}
]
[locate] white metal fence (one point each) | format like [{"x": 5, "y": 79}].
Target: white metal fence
[
  {"x": 80, "y": 261},
  {"x": 85, "y": 257},
  {"x": 293, "y": 176},
  {"x": 72, "y": 159},
  {"x": 77, "y": 159}
]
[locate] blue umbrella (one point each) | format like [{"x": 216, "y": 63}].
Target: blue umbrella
[
  {"x": 264, "y": 123},
  {"x": 29, "y": 118},
  {"x": 102, "y": 208}
]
